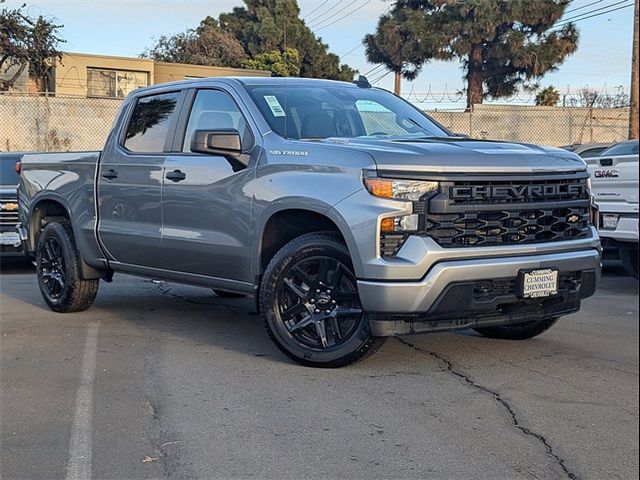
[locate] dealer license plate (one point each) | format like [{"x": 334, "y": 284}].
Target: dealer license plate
[
  {"x": 610, "y": 221},
  {"x": 539, "y": 283},
  {"x": 10, "y": 238}
]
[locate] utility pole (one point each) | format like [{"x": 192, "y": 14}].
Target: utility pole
[
  {"x": 633, "y": 111},
  {"x": 396, "y": 82}
]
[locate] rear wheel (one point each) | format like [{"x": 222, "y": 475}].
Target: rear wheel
[
  {"x": 310, "y": 305},
  {"x": 629, "y": 258},
  {"x": 520, "y": 331},
  {"x": 58, "y": 267}
]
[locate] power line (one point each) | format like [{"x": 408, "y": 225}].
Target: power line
[
  {"x": 377, "y": 67},
  {"x": 325, "y": 12},
  {"x": 583, "y": 6},
  {"x": 320, "y": 6},
  {"x": 595, "y": 15},
  {"x": 360, "y": 45},
  {"x": 381, "y": 77},
  {"x": 332, "y": 15},
  {"x": 346, "y": 15},
  {"x": 593, "y": 11}
]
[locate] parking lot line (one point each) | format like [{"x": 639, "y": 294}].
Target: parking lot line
[{"x": 79, "y": 463}]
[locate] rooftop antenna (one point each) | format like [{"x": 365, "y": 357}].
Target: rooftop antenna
[{"x": 362, "y": 82}]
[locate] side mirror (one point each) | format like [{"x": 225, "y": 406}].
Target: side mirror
[{"x": 225, "y": 142}]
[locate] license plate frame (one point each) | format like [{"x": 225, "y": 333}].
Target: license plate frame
[
  {"x": 610, "y": 221},
  {"x": 10, "y": 239},
  {"x": 538, "y": 282}
]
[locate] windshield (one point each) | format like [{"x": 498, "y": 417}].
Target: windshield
[{"x": 299, "y": 112}]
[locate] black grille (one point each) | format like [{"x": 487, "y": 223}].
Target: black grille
[
  {"x": 508, "y": 227},
  {"x": 517, "y": 210},
  {"x": 8, "y": 218}
]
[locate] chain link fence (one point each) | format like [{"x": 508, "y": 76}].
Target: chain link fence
[
  {"x": 50, "y": 124},
  {"x": 555, "y": 126}
]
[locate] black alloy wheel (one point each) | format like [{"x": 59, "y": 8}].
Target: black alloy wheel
[
  {"x": 318, "y": 302},
  {"x": 310, "y": 306},
  {"x": 54, "y": 277},
  {"x": 59, "y": 270}
]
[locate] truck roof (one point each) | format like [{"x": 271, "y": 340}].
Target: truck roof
[{"x": 249, "y": 81}]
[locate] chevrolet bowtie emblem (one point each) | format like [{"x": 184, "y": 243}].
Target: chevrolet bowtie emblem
[{"x": 8, "y": 207}]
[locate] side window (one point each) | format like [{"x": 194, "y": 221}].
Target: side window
[
  {"x": 592, "y": 152},
  {"x": 149, "y": 124},
  {"x": 215, "y": 110}
]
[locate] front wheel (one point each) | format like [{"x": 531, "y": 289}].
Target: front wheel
[
  {"x": 519, "y": 331},
  {"x": 310, "y": 306},
  {"x": 58, "y": 266}
]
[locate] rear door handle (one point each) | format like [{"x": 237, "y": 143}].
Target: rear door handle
[
  {"x": 176, "y": 176},
  {"x": 110, "y": 174}
]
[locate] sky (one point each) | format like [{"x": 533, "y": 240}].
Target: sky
[{"x": 127, "y": 27}]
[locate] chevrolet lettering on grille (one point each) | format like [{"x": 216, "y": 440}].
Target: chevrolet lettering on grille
[{"x": 523, "y": 192}]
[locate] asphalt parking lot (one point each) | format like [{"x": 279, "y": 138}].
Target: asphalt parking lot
[{"x": 166, "y": 381}]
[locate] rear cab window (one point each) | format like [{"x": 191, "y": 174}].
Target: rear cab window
[
  {"x": 625, "y": 148},
  {"x": 149, "y": 125}
]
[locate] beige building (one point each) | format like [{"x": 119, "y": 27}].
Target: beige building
[{"x": 103, "y": 76}]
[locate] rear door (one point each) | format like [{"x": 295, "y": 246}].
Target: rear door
[
  {"x": 130, "y": 181},
  {"x": 207, "y": 209}
]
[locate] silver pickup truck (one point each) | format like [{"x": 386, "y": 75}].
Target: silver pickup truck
[{"x": 345, "y": 211}]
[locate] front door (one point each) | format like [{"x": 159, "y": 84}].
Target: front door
[
  {"x": 130, "y": 182},
  {"x": 206, "y": 204}
]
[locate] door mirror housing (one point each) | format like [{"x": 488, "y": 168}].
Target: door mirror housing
[{"x": 225, "y": 142}]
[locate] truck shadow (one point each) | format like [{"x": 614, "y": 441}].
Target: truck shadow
[{"x": 196, "y": 317}]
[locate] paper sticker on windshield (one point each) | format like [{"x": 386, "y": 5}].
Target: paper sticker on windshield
[{"x": 274, "y": 105}]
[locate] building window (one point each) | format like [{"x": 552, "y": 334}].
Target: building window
[{"x": 114, "y": 83}]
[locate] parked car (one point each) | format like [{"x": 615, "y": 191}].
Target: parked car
[
  {"x": 346, "y": 212},
  {"x": 10, "y": 244},
  {"x": 588, "y": 150},
  {"x": 614, "y": 176}
]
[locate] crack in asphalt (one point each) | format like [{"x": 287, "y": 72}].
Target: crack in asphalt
[{"x": 449, "y": 367}]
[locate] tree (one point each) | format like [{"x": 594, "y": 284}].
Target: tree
[
  {"x": 275, "y": 25},
  {"x": 548, "y": 97},
  {"x": 285, "y": 64},
  {"x": 27, "y": 44},
  {"x": 206, "y": 45},
  {"x": 501, "y": 44}
]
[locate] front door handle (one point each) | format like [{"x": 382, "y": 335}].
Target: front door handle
[
  {"x": 110, "y": 174},
  {"x": 176, "y": 176}
]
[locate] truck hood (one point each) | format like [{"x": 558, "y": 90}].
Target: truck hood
[{"x": 459, "y": 155}]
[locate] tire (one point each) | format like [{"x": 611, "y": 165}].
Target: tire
[
  {"x": 520, "y": 331},
  {"x": 225, "y": 294},
  {"x": 629, "y": 259},
  {"x": 310, "y": 306},
  {"x": 58, "y": 267}
]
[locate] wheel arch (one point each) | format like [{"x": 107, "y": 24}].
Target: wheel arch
[
  {"x": 284, "y": 224},
  {"x": 52, "y": 207}
]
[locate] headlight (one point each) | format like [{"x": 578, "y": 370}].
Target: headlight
[{"x": 398, "y": 189}]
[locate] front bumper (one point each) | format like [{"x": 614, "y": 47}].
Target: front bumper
[{"x": 447, "y": 296}]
